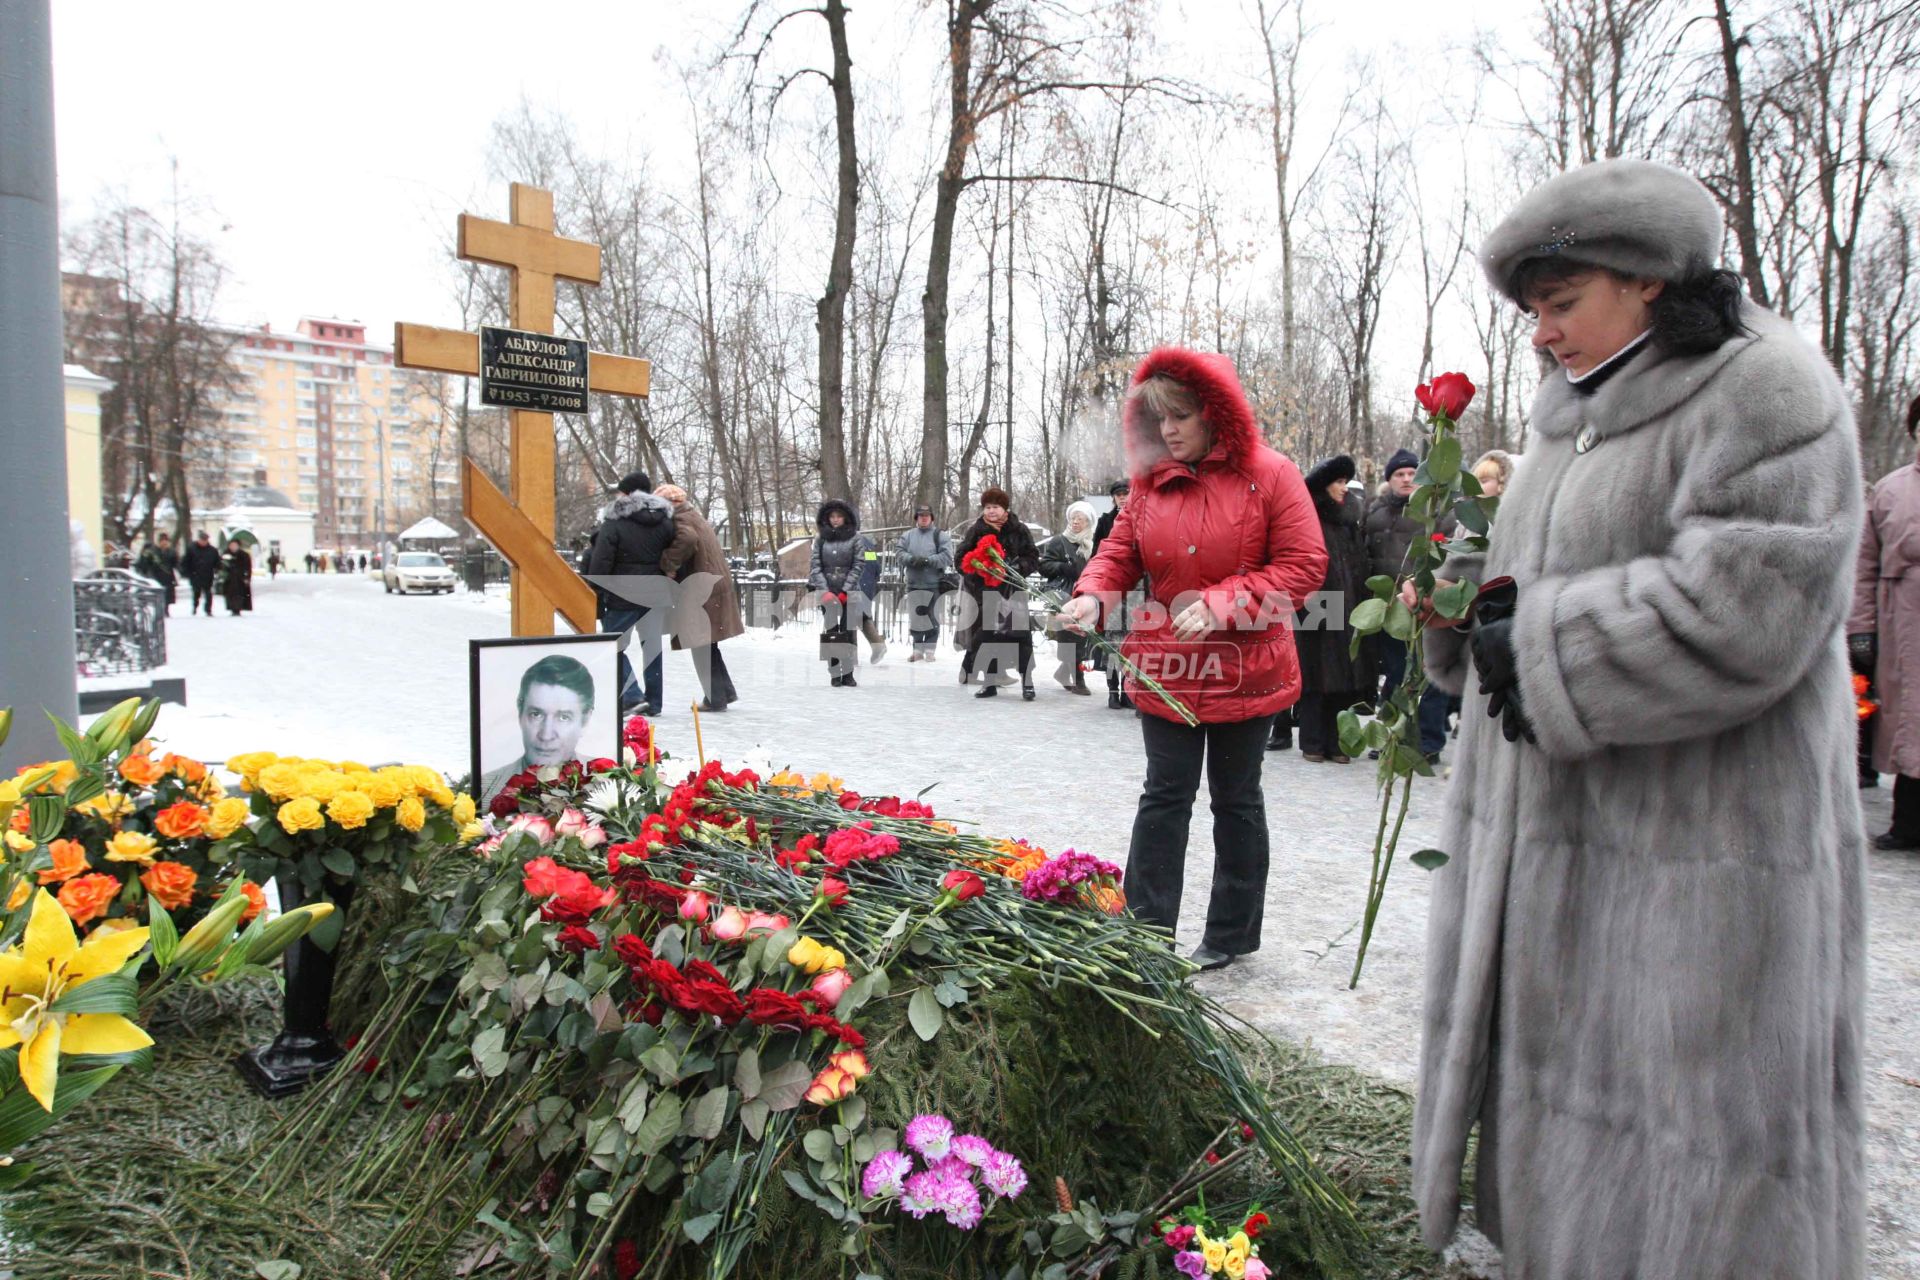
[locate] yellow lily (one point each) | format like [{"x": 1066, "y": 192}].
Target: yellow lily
[{"x": 49, "y": 962}]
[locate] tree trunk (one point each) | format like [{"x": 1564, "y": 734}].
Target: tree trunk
[
  {"x": 932, "y": 490},
  {"x": 1740, "y": 209},
  {"x": 831, "y": 310}
]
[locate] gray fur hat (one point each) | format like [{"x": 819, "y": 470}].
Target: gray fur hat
[{"x": 1633, "y": 217}]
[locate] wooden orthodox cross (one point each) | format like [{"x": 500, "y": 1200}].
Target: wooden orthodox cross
[{"x": 528, "y": 367}]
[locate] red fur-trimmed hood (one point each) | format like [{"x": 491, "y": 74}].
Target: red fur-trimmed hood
[{"x": 1223, "y": 404}]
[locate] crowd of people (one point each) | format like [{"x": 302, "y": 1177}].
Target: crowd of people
[{"x": 207, "y": 571}]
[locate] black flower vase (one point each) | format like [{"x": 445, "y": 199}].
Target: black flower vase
[{"x": 305, "y": 1047}]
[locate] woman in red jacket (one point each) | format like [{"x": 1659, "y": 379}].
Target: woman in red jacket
[{"x": 1225, "y": 533}]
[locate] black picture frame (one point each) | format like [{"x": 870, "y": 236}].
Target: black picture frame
[{"x": 598, "y": 653}]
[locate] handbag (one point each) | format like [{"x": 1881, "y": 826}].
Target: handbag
[{"x": 949, "y": 581}]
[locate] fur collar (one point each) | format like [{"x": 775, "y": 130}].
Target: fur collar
[
  {"x": 647, "y": 508},
  {"x": 1222, "y": 403}
]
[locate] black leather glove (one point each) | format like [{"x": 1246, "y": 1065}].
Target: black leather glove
[
  {"x": 1491, "y": 618},
  {"x": 917, "y": 562},
  {"x": 1863, "y": 650}
]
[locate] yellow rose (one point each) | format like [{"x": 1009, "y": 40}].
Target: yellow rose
[
  {"x": 280, "y": 780},
  {"x": 384, "y": 789},
  {"x": 130, "y": 846},
  {"x": 1212, "y": 1252},
  {"x": 351, "y": 809},
  {"x": 19, "y": 843},
  {"x": 228, "y": 814},
  {"x": 248, "y": 764},
  {"x": 108, "y": 806},
  {"x": 805, "y": 954},
  {"x": 1236, "y": 1262},
  {"x": 302, "y": 814},
  {"x": 472, "y": 832},
  {"x": 463, "y": 810},
  {"x": 411, "y": 814},
  {"x": 47, "y": 777},
  {"x": 431, "y": 784},
  {"x": 324, "y": 784}
]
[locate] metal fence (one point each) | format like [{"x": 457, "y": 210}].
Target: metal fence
[
  {"x": 793, "y": 603},
  {"x": 119, "y": 624}
]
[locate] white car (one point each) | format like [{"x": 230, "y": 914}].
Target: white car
[{"x": 417, "y": 571}]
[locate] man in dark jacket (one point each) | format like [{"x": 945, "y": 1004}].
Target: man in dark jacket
[
  {"x": 201, "y": 564},
  {"x": 624, "y": 564},
  {"x": 161, "y": 563},
  {"x": 1332, "y": 678},
  {"x": 1390, "y": 531}
]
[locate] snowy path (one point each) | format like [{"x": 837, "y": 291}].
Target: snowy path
[{"x": 331, "y": 666}]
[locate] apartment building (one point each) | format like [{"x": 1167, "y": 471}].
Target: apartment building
[{"x": 332, "y": 422}]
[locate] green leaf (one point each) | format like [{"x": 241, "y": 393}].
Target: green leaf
[
  {"x": 818, "y": 1144},
  {"x": 664, "y": 1061},
  {"x": 698, "y": 1229},
  {"x": 1454, "y": 601},
  {"x": 22, "y": 1117},
  {"x": 277, "y": 1269},
  {"x": 661, "y": 1126},
  {"x": 707, "y": 1114},
  {"x": 746, "y": 1072},
  {"x": 1368, "y": 616},
  {"x": 783, "y": 1087},
  {"x": 853, "y": 1113},
  {"x": 949, "y": 993},
  {"x": 1383, "y": 585},
  {"x": 46, "y": 815},
  {"x": 165, "y": 938},
  {"x": 1353, "y": 735},
  {"x": 1429, "y": 859},
  {"x": 633, "y": 1105},
  {"x": 1400, "y": 623},
  {"x": 80, "y": 748},
  {"x": 753, "y": 1118},
  {"x": 490, "y": 1051},
  {"x": 109, "y": 993},
  {"x": 1470, "y": 514},
  {"x": 1443, "y": 460},
  {"x": 85, "y": 788},
  {"x": 338, "y": 861},
  {"x": 925, "y": 1013},
  {"x": 326, "y": 934},
  {"x": 599, "y": 1204}
]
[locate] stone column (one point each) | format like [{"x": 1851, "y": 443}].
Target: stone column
[{"x": 36, "y": 626}]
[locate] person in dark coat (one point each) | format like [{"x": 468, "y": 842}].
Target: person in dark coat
[
  {"x": 635, "y": 594},
  {"x": 999, "y": 612},
  {"x": 236, "y": 583},
  {"x": 1883, "y": 639},
  {"x": 845, "y": 570},
  {"x": 925, "y": 554},
  {"x": 1062, "y": 558},
  {"x": 160, "y": 562},
  {"x": 201, "y": 564},
  {"x": 1113, "y": 622},
  {"x": 1330, "y": 678},
  {"x": 1389, "y": 532}
]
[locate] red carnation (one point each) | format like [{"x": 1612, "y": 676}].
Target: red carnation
[
  {"x": 1255, "y": 1224},
  {"x": 833, "y": 891}
]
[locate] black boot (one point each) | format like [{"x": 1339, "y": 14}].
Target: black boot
[
  {"x": 1026, "y": 686},
  {"x": 848, "y": 682},
  {"x": 1080, "y": 682},
  {"x": 1113, "y": 697},
  {"x": 991, "y": 691}
]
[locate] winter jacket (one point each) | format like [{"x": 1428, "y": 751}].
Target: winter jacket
[
  {"x": 924, "y": 554},
  {"x": 201, "y": 564},
  {"x": 236, "y": 587},
  {"x": 1061, "y": 560},
  {"x": 1390, "y": 531},
  {"x": 1886, "y": 603},
  {"x": 999, "y": 610},
  {"x": 1236, "y": 530},
  {"x": 844, "y": 559},
  {"x": 1646, "y": 952},
  {"x": 705, "y": 608},
  {"x": 636, "y": 532},
  {"x": 1321, "y": 633},
  {"x": 161, "y": 564}
]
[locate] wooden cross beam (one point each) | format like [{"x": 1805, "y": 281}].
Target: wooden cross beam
[{"x": 523, "y": 527}]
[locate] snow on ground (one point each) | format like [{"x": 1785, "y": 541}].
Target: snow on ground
[{"x": 332, "y": 666}]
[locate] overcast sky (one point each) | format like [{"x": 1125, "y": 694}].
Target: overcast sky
[{"x": 325, "y": 149}]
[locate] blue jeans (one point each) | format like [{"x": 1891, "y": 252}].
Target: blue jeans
[
  {"x": 646, "y": 623},
  {"x": 1432, "y": 713}
]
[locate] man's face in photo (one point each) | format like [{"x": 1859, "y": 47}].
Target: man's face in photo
[{"x": 551, "y": 721}]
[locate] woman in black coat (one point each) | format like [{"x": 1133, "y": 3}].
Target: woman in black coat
[
  {"x": 1062, "y": 557},
  {"x": 237, "y": 587},
  {"x": 1332, "y": 679},
  {"x": 999, "y": 613}
]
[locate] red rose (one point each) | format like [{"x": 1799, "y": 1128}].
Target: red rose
[
  {"x": 1440, "y": 537},
  {"x": 504, "y": 805},
  {"x": 768, "y": 1007},
  {"x": 626, "y": 1260},
  {"x": 1447, "y": 396},
  {"x": 578, "y": 939},
  {"x": 833, "y": 891},
  {"x": 1255, "y": 1224},
  {"x": 600, "y": 764},
  {"x": 630, "y": 948},
  {"x": 962, "y": 884},
  {"x": 577, "y": 903},
  {"x": 544, "y": 878},
  {"x": 1213, "y": 1157}
]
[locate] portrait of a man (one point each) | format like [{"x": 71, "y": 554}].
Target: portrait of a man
[{"x": 560, "y": 705}]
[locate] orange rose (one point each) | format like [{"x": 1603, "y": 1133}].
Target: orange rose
[
  {"x": 69, "y": 860},
  {"x": 87, "y": 897},
  {"x": 182, "y": 821},
  {"x": 185, "y": 768},
  {"x": 170, "y": 883},
  {"x": 20, "y": 820},
  {"x": 256, "y": 900},
  {"x": 141, "y": 771}
]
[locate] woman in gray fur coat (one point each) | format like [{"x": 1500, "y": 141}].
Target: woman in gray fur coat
[{"x": 1645, "y": 960}]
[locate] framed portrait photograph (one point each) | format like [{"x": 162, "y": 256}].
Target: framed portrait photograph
[{"x": 541, "y": 700}]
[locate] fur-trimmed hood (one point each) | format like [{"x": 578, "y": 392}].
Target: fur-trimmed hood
[
  {"x": 640, "y": 507},
  {"x": 1223, "y": 404},
  {"x": 827, "y": 531}
]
